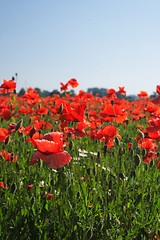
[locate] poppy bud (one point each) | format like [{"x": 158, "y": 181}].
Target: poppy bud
[
  {"x": 60, "y": 108},
  {"x": 127, "y": 121},
  {"x": 52, "y": 182},
  {"x": 141, "y": 134},
  {"x": 2, "y": 119},
  {"x": 32, "y": 200},
  {"x": 98, "y": 155},
  {"x": 137, "y": 160},
  {"x": 11, "y": 157},
  {"x": 88, "y": 171},
  {"x": 133, "y": 173},
  {"x": 110, "y": 184},
  {"x": 146, "y": 167},
  {"x": 78, "y": 195},
  {"x": 40, "y": 132},
  {"x": 105, "y": 149},
  {"x": 143, "y": 152},
  {"x": 70, "y": 134},
  {"x": 70, "y": 145},
  {"x": 17, "y": 166},
  {"x": 151, "y": 163},
  {"x": 30, "y": 120},
  {"x": 117, "y": 141},
  {"x": 6, "y": 140},
  {"x": 13, "y": 188},
  {"x": 138, "y": 150},
  {"x": 87, "y": 115},
  {"x": 19, "y": 124}
]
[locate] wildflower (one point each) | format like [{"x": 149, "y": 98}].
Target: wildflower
[
  {"x": 2, "y": 185},
  {"x": 8, "y": 156},
  {"x": 73, "y": 83},
  {"x": 49, "y": 195},
  {"x": 29, "y": 187},
  {"x": 41, "y": 184},
  {"x": 49, "y": 150},
  {"x": 7, "y": 86}
]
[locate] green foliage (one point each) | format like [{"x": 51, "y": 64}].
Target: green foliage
[{"x": 100, "y": 194}]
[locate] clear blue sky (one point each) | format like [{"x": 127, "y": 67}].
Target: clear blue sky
[{"x": 100, "y": 43}]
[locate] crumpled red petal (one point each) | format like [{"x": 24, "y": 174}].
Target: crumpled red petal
[{"x": 54, "y": 160}]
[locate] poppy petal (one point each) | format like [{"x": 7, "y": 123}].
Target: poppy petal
[{"x": 57, "y": 160}]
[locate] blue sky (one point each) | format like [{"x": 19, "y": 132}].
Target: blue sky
[{"x": 100, "y": 43}]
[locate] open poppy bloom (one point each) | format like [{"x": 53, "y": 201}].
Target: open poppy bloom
[
  {"x": 49, "y": 150},
  {"x": 73, "y": 83},
  {"x": 7, "y": 86}
]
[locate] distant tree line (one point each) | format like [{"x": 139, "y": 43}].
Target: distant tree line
[{"x": 100, "y": 92}]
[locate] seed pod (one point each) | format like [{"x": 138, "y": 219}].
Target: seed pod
[
  {"x": 112, "y": 102},
  {"x": 19, "y": 124},
  {"x": 137, "y": 160},
  {"x": 7, "y": 140}
]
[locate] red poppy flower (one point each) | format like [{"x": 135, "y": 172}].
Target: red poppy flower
[
  {"x": 8, "y": 156},
  {"x": 3, "y": 134},
  {"x": 158, "y": 89},
  {"x": 49, "y": 150},
  {"x": 109, "y": 132},
  {"x": 129, "y": 146},
  {"x": 64, "y": 87},
  {"x": 121, "y": 90},
  {"x": 29, "y": 187},
  {"x": 31, "y": 96},
  {"x": 6, "y": 114},
  {"x": 7, "y": 86},
  {"x": 73, "y": 83},
  {"x": 48, "y": 196},
  {"x": 2, "y": 185},
  {"x": 143, "y": 94}
]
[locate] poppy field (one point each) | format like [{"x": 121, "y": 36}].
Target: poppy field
[{"x": 79, "y": 167}]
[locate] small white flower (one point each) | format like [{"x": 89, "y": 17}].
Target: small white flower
[{"x": 41, "y": 184}]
